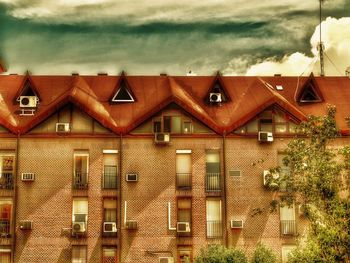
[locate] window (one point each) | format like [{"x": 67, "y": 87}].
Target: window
[
  {"x": 184, "y": 254},
  {"x": 79, "y": 254},
  {"x": 172, "y": 124},
  {"x": 5, "y": 255},
  {"x": 212, "y": 171},
  {"x": 214, "y": 219},
  {"x": 287, "y": 217},
  {"x": 80, "y": 214},
  {"x": 6, "y": 170},
  {"x": 110, "y": 215},
  {"x": 286, "y": 250},
  {"x": 123, "y": 94},
  {"x": 285, "y": 170},
  {"x": 183, "y": 170},
  {"x": 109, "y": 255},
  {"x": 5, "y": 217},
  {"x": 81, "y": 169},
  {"x": 184, "y": 214},
  {"x": 110, "y": 171}
]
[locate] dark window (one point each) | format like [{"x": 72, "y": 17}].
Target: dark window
[{"x": 167, "y": 124}]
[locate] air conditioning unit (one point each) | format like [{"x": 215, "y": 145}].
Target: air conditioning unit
[
  {"x": 267, "y": 173},
  {"x": 28, "y": 101},
  {"x": 25, "y": 224},
  {"x": 236, "y": 223},
  {"x": 79, "y": 227},
  {"x": 265, "y": 136},
  {"x": 162, "y": 137},
  {"x": 28, "y": 176},
  {"x": 109, "y": 227},
  {"x": 166, "y": 260},
  {"x": 215, "y": 97},
  {"x": 132, "y": 177},
  {"x": 183, "y": 227},
  {"x": 131, "y": 224},
  {"x": 62, "y": 127}
]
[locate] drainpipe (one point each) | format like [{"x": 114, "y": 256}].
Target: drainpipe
[
  {"x": 120, "y": 197},
  {"x": 225, "y": 187},
  {"x": 13, "y": 228}
]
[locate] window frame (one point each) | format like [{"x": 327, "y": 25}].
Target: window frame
[
  {"x": 85, "y": 260},
  {"x": 81, "y": 153}
]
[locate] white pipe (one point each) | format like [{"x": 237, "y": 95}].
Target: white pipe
[
  {"x": 169, "y": 217},
  {"x": 125, "y": 204}
]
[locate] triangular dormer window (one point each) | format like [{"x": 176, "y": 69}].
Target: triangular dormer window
[
  {"x": 217, "y": 93},
  {"x": 27, "y": 90},
  {"x": 310, "y": 92},
  {"x": 123, "y": 93}
]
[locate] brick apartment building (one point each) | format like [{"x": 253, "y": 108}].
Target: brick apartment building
[{"x": 149, "y": 168}]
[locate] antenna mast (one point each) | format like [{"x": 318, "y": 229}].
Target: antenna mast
[{"x": 320, "y": 45}]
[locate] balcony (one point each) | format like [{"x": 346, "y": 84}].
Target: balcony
[
  {"x": 288, "y": 228},
  {"x": 80, "y": 180},
  {"x": 5, "y": 228},
  {"x": 6, "y": 180},
  {"x": 110, "y": 180},
  {"x": 184, "y": 181},
  {"x": 214, "y": 229},
  {"x": 212, "y": 182}
]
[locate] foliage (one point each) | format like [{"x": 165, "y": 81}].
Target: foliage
[
  {"x": 263, "y": 254},
  {"x": 315, "y": 180},
  {"x": 220, "y": 254}
]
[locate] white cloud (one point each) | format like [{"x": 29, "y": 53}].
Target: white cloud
[{"x": 336, "y": 39}]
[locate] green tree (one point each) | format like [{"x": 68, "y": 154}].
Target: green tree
[
  {"x": 263, "y": 254},
  {"x": 220, "y": 254},
  {"x": 318, "y": 180}
]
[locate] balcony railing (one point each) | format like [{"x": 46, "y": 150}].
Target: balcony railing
[
  {"x": 214, "y": 229},
  {"x": 80, "y": 180},
  {"x": 288, "y": 227},
  {"x": 212, "y": 182},
  {"x": 5, "y": 228},
  {"x": 110, "y": 180},
  {"x": 6, "y": 180},
  {"x": 184, "y": 180}
]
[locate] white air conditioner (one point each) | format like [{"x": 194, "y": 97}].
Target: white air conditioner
[
  {"x": 109, "y": 227},
  {"x": 28, "y": 176},
  {"x": 166, "y": 260},
  {"x": 79, "y": 227},
  {"x": 28, "y": 101},
  {"x": 267, "y": 173},
  {"x": 131, "y": 177},
  {"x": 62, "y": 127},
  {"x": 183, "y": 227},
  {"x": 25, "y": 224},
  {"x": 161, "y": 137},
  {"x": 265, "y": 136},
  {"x": 236, "y": 223},
  {"x": 215, "y": 97},
  {"x": 131, "y": 224}
]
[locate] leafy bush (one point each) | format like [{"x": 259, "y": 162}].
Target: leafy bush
[
  {"x": 263, "y": 254},
  {"x": 220, "y": 254}
]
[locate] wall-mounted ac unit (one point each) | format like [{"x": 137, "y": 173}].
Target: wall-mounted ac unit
[
  {"x": 25, "y": 224},
  {"x": 161, "y": 138},
  {"x": 62, "y": 127},
  {"x": 166, "y": 260},
  {"x": 131, "y": 177},
  {"x": 183, "y": 227},
  {"x": 267, "y": 173},
  {"x": 215, "y": 97},
  {"x": 28, "y": 101},
  {"x": 79, "y": 227},
  {"x": 131, "y": 224},
  {"x": 28, "y": 176},
  {"x": 109, "y": 227},
  {"x": 236, "y": 223},
  {"x": 265, "y": 136}
]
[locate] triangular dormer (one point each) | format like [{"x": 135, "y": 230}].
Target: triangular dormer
[
  {"x": 27, "y": 89},
  {"x": 122, "y": 92},
  {"x": 217, "y": 93},
  {"x": 310, "y": 92}
]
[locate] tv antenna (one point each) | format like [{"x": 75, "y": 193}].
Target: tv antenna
[{"x": 320, "y": 46}]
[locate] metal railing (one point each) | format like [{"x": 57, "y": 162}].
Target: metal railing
[
  {"x": 80, "y": 180},
  {"x": 212, "y": 182},
  {"x": 6, "y": 180},
  {"x": 5, "y": 228},
  {"x": 214, "y": 229},
  {"x": 288, "y": 227},
  {"x": 184, "y": 180},
  {"x": 110, "y": 180}
]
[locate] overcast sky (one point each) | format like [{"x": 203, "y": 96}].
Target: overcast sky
[{"x": 237, "y": 37}]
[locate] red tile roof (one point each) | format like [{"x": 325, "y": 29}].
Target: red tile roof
[{"x": 248, "y": 97}]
